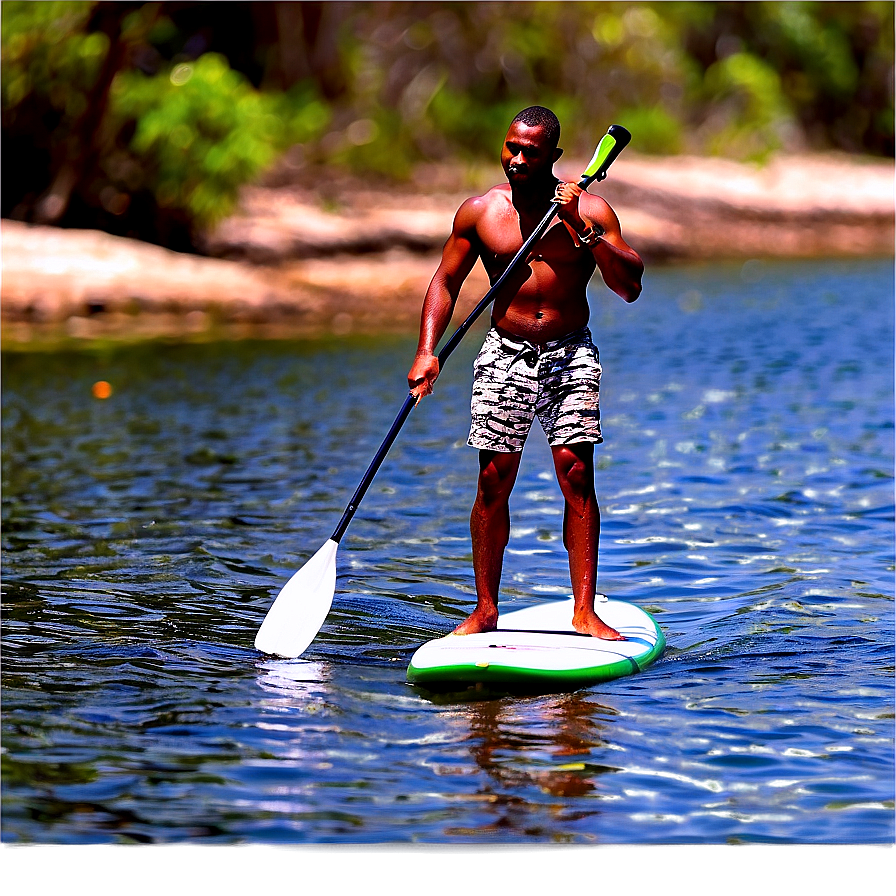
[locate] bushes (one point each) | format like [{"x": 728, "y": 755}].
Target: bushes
[
  {"x": 90, "y": 140},
  {"x": 730, "y": 78},
  {"x": 146, "y": 119},
  {"x": 200, "y": 131}
]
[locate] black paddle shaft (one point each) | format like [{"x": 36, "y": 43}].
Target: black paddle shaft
[{"x": 622, "y": 137}]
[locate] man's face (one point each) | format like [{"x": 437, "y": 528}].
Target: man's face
[{"x": 526, "y": 155}]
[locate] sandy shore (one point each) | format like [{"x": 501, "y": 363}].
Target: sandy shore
[{"x": 338, "y": 256}]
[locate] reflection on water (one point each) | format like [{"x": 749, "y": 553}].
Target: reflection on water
[{"x": 747, "y": 501}]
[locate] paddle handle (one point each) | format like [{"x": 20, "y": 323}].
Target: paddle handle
[
  {"x": 380, "y": 456},
  {"x": 611, "y": 144}
]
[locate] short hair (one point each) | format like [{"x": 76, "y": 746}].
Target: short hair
[{"x": 540, "y": 117}]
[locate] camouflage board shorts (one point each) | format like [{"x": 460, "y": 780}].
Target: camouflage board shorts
[{"x": 514, "y": 382}]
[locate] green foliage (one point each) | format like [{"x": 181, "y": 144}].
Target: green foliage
[
  {"x": 201, "y": 131},
  {"x": 747, "y": 98},
  {"x": 658, "y": 130},
  {"x": 47, "y": 57},
  {"x": 371, "y": 144},
  {"x": 797, "y": 75},
  {"x": 167, "y": 153},
  {"x": 739, "y": 79},
  {"x": 146, "y": 119}
]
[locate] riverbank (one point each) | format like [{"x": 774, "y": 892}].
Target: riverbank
[{"x": 312, "y": 253}]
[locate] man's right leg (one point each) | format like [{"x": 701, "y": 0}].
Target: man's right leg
[{"x": 490, "y": 532}]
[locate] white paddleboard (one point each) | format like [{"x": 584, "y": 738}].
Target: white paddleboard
[{"x": 536, "y": 649}]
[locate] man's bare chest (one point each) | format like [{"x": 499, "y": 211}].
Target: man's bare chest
[{"x": 502, "y": 235}]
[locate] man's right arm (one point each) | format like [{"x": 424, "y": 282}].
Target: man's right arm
[{"x": 458, "y": 257}]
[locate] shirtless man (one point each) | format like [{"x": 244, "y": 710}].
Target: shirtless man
[{"x": 538, "y": 357}]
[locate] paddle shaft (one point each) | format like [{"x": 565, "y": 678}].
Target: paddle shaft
[{"x": 621, "y": 138}]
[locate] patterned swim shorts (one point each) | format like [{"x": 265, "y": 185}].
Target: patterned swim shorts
[{"x": 515, "y": 381}]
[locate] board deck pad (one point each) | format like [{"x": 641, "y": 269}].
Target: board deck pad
[{"x": 536, "y": 649}]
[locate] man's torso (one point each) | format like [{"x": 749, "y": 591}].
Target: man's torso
[{"x": 546, "y": 299}]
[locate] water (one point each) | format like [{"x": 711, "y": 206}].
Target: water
[{"x": 747, "y": 498}]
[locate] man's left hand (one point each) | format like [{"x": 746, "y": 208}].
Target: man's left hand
[{"x": 567, "y": 198}]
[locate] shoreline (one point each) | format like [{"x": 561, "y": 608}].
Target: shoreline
[{"x": 309, "y": 256}]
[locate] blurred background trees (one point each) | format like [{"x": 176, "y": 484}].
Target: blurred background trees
[{"x": 145, "y": 119}]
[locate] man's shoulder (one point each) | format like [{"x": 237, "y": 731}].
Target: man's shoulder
[
  {"x": 594, "y": 204},
  {"x": 476, "y": 206},
  {"x": 499, "y": 193}
]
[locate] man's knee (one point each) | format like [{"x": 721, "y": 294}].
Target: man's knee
[
  {"x": 575, "y": 469},
  {"x": 497, "y": 474}
]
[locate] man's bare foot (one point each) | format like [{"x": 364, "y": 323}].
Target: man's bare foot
[
  {"x": 591, "y": 624},
  {"x": 478, "y": 621}
]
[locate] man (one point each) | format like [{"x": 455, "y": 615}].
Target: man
[{"x": 538, "y": 358}]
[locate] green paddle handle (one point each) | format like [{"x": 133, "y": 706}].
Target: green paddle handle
[{"x": 611, "y": 144}]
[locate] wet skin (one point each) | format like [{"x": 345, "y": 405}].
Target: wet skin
[{"x": 545, "y": 299}]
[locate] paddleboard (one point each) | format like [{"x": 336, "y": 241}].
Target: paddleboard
[{"x": 536, "y": 650}]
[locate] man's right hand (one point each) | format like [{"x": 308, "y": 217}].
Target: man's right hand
[{"x": 423, "y": 374}]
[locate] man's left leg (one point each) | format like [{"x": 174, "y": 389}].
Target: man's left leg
[{"x": 574, "y": 465}]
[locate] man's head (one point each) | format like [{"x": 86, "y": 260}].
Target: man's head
[
  {"x": 530, "y": 147},
  {"x": 540, "y": 117}
]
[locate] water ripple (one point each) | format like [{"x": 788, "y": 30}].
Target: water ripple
[{"x": 746, "y": 493}]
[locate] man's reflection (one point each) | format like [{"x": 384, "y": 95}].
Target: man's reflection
[{"x": 546, "y": 742}]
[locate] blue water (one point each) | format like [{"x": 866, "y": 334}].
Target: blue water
[{"x": 746, "y": 487}]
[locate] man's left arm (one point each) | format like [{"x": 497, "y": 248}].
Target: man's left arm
[{"x": 595, "y": 227}]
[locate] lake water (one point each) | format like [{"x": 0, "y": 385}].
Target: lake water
[{"x": 746, "y": 487}]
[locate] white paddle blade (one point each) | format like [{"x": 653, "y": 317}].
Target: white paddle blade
[{"x": 299, "y": 611}]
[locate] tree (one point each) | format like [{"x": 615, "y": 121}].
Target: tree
[
  {"x": 101, "y": 130},
  {"x": 146, "y": 118}
]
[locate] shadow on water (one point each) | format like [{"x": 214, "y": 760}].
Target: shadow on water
[{"x": 746, "y": 488}]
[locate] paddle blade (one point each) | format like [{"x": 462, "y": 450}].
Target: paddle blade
[{"x": 299, "y": 611}]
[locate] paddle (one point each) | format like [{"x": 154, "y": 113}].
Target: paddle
[{"x": 299, "y": 610}]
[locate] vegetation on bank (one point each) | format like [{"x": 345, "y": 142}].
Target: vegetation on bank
[{"x": 145, "y": 119}]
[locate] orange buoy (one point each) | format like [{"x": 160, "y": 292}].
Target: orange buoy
[{"x": 101, "y": 389}]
